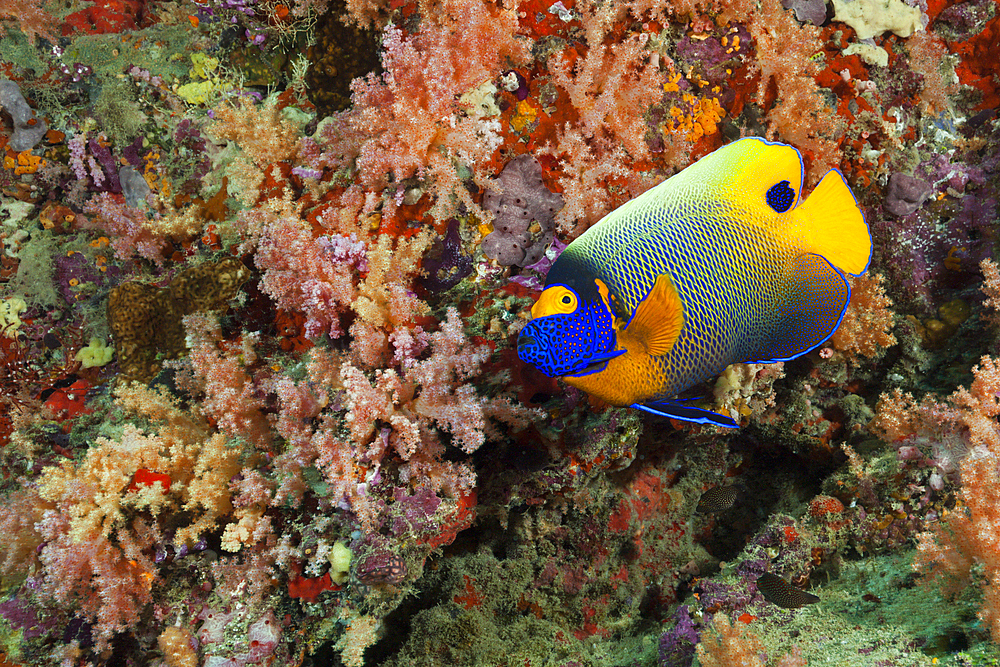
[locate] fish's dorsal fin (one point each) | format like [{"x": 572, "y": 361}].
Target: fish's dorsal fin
[
  {"x": 657, "y": 320},
  {"x": 830, "y": 223},
  {"x": 814, "y": 300},
  {"x": 745, "y": 171}
]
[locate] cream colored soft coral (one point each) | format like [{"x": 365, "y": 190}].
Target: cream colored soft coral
[
  {"x": 729, "y": 646},
  {"x": 98, "y": 494},
  {"x": 175, "y": 643},
  {"x": 868, "y": 320}
]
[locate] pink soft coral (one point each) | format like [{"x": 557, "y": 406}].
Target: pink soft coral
[
  {"x": 406, "y": 123},
  {"x": 971, "y": 533}
]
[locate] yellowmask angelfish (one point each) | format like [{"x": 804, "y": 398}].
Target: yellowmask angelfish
[{"x": 722, "y": 263}]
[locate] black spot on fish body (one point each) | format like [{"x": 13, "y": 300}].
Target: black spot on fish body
[
  {"x": 718, "y": 499},
  {"x": 778, "y": 591},
  {"x": 780, "y": 196}
]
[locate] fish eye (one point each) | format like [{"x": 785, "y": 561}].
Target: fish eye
[{"x": 555, "y": 300}]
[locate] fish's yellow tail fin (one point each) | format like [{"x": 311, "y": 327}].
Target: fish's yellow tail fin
[{"x": 830, "y": 223}]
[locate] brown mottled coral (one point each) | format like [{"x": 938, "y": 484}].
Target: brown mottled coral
[
  {"x": 341, "y": 54},
  {"x": 146, "y": 319}
]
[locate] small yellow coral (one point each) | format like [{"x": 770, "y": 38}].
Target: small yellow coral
[
  {"x": 10, "y": 309},
  {"x": 245, "y": 529},
  {"x": 97, "y": 353},
  {"x": 526, "y": 115},
  {"x": 199, "y": 91},
  {"x": 340, "y": 562},
  {"x": 203, "y": 66},
  {"x": 25, "y": 163},
  {"x": 671, "y": 85},
  {"x": 697, "y": 117}
]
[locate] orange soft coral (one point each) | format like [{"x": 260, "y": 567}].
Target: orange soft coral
[
  {"x": 610, "y": 89},
  {"x": 800, "y": 115},
  {"x": 991, "y": 288},
  {"x": 868, "y": 321},
  {"x": 93, "y": 532},
  {"x": 730, "y": 646},
  {"x": 968, "y": 534},
  {"x": 407, "y": 121}
]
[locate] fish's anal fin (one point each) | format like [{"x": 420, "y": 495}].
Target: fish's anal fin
[
  {"x": 816, "y": 296},
  {"x": 658, "y": 319},
  {"x": 685, "y": 413},
  {"x": 830, "y": 223}
]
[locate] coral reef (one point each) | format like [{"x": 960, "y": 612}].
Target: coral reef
[{"x": 264, "y": 265}]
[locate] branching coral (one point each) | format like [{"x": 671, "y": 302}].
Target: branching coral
[
  {"x": 385, "y": 302},
  {"x": 969, "y": 534},
  {"x": 243, "y": 122},
  {"x": 991, "y": 288},
  {"x": 610, "y": 87},
  {"x": 222, "y": 375},
  {"x": 928, "y": 57},
  {"x": 430, "y": 392},
  {"x": 100, "y": 520},
  {"x": 326, "y": 277},
  {"x": 800, "y": 115},
  {"x": 407, "y": 121},
  {"x": 868, "y": 321},
  {"x": 729, "y": 645}
]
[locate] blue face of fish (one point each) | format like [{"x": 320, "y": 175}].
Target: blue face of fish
[{"x": 568, "y": 335}]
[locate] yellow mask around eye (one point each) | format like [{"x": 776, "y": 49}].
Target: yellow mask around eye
[{"x": 555, "y": 300}]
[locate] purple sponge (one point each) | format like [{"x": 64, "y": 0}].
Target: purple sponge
[
  {"x": 905, "y": 194},
  {"x": 521, "y": 199}
]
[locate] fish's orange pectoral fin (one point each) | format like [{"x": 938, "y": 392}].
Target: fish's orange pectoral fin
[{"x": 658, "y": 320}]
